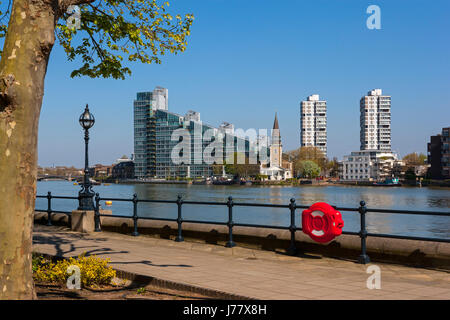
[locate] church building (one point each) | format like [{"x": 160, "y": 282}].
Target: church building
[{"x": 277, "y": 168}]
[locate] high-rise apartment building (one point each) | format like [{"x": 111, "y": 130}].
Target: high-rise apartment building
[
  {"x": 145, "y": 105},
  {"x": 375, "y": 121},
  {"x": 313, "y": 123},
  {"x": 439, "y": 155}
]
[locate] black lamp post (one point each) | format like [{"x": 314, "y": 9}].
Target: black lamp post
[{"x": 86, "y": 195}]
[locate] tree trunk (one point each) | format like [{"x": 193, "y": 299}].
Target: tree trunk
[{"x": 26, "y": 51}]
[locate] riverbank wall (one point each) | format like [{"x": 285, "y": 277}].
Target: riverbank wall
[
  {"x": 154, "y": 181},
  {"x": 302, "y": 183},
  {"x": 348, "y": 247}
]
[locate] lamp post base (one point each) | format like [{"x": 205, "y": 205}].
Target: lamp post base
[
  {"x": 82, "y": 221},
  {"x": 86, "y": 201}
]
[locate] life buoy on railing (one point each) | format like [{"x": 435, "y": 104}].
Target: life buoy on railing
[{"x": 322, "y": 222}]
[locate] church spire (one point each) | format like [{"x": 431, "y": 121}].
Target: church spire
[
  {"x": 275, "y": 123},
  {"x": 276, "y": 137}
]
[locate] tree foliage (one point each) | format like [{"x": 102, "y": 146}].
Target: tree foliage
[
  {"x": 410, "y": 174},
  {"x": 106, "y": 37},
  {"x": 414, "y": 159},
  {"x": 307, "y": 169},
  {"x": 333, "y": 167},
  {"x": 114, "y": 32},
  {"x": 245, "y": 169},
  {"x": 313, "y": 154}
]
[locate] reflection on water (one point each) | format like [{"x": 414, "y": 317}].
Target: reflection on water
[
  {"x": 342, "y": 196},
  {"x": 380, "y": 223},
  {"x": 439, "y": 203}
]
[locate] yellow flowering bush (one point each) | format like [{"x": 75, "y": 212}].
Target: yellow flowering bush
[{"x": 94, "y": 271}]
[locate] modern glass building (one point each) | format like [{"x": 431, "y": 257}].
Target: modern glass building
[
  {"x": 159, "y": 136},
  {"x": 143, "y": 109}
]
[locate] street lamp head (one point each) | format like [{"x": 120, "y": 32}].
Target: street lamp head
[{"x": 87, "y": 119}]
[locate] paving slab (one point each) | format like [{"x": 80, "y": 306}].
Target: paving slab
[{"x": 252, "y": 273}]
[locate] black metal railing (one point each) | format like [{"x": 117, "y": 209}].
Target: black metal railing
[
  {"x": 50, "y": 210},
  {"x": 230, "y": 204}
]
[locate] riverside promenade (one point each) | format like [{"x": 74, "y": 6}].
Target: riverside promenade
[{"x": 248, "y": 273}]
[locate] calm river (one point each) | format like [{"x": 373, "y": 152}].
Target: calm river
[{"x": 411, "y": 198}]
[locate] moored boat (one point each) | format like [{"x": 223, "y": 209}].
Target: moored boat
[{"x": 388, "y": 182}]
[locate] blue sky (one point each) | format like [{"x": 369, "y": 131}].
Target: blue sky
[{"x": 247, "y": 60}]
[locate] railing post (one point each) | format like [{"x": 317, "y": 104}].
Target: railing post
[
  {"x": 69, "y": 220},
  {"x": 49, "y": 208},
  {"x": 97, "y": 213},
  {"x": 292, "y": 249},
  {"x": 179, "y": 237},
  {"x": 230, "y": 243},
  {"x": 135, "y": 217},
  {"x": 363, "y": 258}
]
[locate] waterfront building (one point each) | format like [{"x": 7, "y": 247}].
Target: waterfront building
[
  {"x": 313, "y": 123},
  {"x": 124, "y": 158},
  {"x": 439, "y": 155},
  {"x": 143, "y": 107},
  {"x": 375, "y": 121},
  {"x": 123, "y": 170},
  {"x": 100, "y": 170},
  {"x": 200, "y": 155},
  {"x": 277, "y": 168},
  {"x": 164, "y": 126},
  {"x": 154, "y": 144},
  {"x": 370, "y": 165}
]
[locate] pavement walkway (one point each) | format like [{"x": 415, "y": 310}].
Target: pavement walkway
[{"x": 252, "y": 273}]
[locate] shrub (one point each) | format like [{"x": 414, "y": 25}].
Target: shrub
[
  {"x": 94, "y": 271},
  {"x": 141, "y": 291}
]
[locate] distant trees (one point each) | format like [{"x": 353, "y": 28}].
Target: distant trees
[
  {"x": 307, "y": 169},
  {"x": 410, "y": 174},
  {"x": 333, "y": 167},
  {"x": 312, "y": 154},
  {"x": 217, "y": 169},
  {"x": 241, "y": 169},
  {"x": 414, "y": 159},
  {"x": 59, "y": 171}
]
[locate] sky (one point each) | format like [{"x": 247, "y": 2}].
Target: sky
[{"x": 246, "y": 60}]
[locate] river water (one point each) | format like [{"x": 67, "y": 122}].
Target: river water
[{"x": 407, "y": 198}]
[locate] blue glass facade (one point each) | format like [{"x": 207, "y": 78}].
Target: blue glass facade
[
  {"x": 143, "y": 114},
  {"x": 153, "y": 144}
]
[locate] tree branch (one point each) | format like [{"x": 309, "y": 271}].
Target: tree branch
[
  {"x": 7, "y": 11},
  {"x": 64, "y": 4},
  {"x": 96, "y": 45}
]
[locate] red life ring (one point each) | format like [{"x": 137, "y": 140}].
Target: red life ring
[{"x": 322, "y": 222}]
